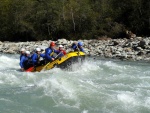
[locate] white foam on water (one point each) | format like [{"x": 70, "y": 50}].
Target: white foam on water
[
  {"x": 62, "y": 85},
  {"x": 5, "y": 100},
  {"x": 8, "y": 78},
  {"x": 8, "y": 62},
  {"x": 127, "y": 98},
  {"x": 59, "y": 88},
  {"x": 114, "y": 66},
  {"x": 147, "y": 102},
  {"x": 84, "y": 111},
  {"x": 95, "y": 86},
  {"x": 1, "y": 82}
]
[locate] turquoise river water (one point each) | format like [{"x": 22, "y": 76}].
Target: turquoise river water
[{"x": 97, "y": 86}]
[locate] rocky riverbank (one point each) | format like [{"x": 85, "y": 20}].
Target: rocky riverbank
[{"x": 137, "y": 48}]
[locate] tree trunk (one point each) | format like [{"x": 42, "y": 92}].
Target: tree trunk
[
  {"x": 63, "y": 11},
  {"x": 74, "y": 24}
]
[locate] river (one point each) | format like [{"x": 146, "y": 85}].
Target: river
[{"x": 97, "y": 86}]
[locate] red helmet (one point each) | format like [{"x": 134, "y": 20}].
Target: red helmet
[{"x": 52, "y": 44}]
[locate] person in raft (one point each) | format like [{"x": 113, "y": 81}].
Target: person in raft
[
  {"x": 61, "y": 52},
  {"x": 28, "y": 60},
  {"x": 36, "y": 57},
  {"x": 22, "y": 58},
  {"x": 78, "y": 47},
  {"x": 49, "y": 52}
]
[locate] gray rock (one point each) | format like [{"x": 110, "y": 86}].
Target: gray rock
[
  {"x": 134, "y": 49},
  {"x": 142, "y": 43},
  {"x": 139, "y": 38},
  {"x": 1, "y": 43},
  {"x": 62, "y": 41},
  {"x": 139, "y": 49},
  {"x": 141, "y": 53}
]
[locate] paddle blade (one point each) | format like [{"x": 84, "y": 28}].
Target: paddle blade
[{"x": 30, "y": 69}]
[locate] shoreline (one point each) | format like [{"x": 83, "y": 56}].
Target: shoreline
[{"x": 135, "y": 49}]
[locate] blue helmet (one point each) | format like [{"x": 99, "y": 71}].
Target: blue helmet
[{"x": 80, "y": 43}]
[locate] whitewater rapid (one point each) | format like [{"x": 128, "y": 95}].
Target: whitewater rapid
[{"x": 97, "y": 86}]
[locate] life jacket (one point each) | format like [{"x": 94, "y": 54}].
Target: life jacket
[
  {"x": 38, "y": 58},
  {"x": 21, "y": 56},
  {"x": 28, "y": 62},
  {"x": 63, "y": 52},
  {"x": 75, "y": 47}
]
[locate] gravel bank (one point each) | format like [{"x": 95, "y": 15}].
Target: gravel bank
[{"x": 125, "y": 49}]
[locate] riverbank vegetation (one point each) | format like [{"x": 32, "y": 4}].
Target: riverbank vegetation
[{"x": 22, "y": 20}]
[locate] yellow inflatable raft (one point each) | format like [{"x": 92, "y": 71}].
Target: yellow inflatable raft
[{"x": 63, "y": 62}]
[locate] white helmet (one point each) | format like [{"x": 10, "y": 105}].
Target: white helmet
[
  {"x": 61, "y": 46},
  {"x": 38, "y": 49},
  {"x": 22, "y": 49},
  {"x": 27, "y": 52}
]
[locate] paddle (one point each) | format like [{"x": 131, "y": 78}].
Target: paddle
[
  {"x": 78, "y": 50},
  {"x": 50, "y": 62}
]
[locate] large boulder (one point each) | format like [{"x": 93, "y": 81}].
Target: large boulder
[
  {"x": 141, "y": 53},
  {"x": 142, "y": 43}
]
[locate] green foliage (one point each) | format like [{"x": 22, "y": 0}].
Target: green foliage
[{"x": 22, "y": 20}]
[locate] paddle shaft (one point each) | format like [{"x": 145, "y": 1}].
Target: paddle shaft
[{"x": 50, "y": 62}]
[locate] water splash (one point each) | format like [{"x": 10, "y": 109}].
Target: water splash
[{"x": 95, "y": 86}]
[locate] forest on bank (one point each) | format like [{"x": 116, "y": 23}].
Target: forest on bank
[{"x": 26, "y": 20}]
